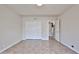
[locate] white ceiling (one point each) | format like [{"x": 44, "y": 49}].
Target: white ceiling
[{"x": 33, "y": 9}]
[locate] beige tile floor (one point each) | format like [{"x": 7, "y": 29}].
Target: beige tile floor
[{"x": 39, "y": 47}]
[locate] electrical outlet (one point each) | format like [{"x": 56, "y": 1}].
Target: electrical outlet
[{"x": 72, "y": 46}]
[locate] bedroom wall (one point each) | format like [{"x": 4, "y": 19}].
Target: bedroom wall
[
  {"x": 10, "y": 28},
  {"x": 70, "y": 28}
]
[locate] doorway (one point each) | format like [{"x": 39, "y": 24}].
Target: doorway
[{"x": 54, "y": 29}]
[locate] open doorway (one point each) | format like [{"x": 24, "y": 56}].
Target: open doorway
[
  {"x": 51, "y": 29},
  {"x": 54, "y": 29}
]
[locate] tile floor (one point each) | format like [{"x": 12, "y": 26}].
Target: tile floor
[{"x": 39, "y": 47}]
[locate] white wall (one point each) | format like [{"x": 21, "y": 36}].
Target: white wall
[
  {"x": 10, "y": 28},
  {"x": 44, "y": 25},
  {"x": 70, "y": 28}
]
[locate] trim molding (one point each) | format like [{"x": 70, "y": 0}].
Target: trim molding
[
  {"x": 10, "y": 46},
  {"x": 70, "y": 47}
]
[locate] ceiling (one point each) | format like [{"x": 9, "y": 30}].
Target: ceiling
[{"x": 33, "y": 9}]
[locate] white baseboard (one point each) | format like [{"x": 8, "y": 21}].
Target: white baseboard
[
  {"x": 70, "y": 47},
  {"x": 10, "y": 46}
]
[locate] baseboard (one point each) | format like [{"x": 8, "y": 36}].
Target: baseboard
[
  {"x": 70, "y": 47},
  {"x": 10, "y": 46}
]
